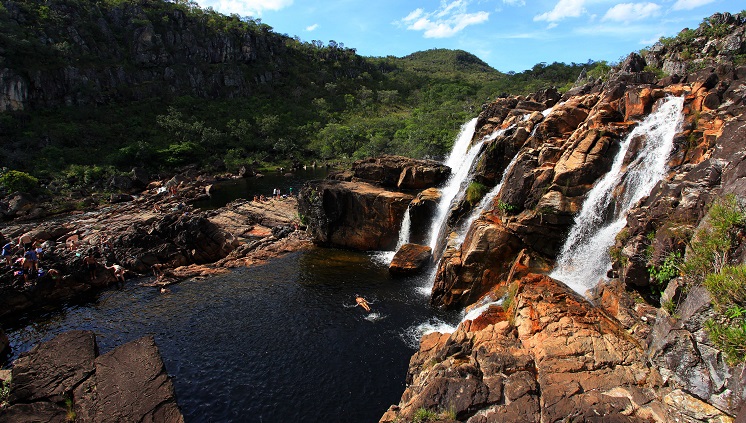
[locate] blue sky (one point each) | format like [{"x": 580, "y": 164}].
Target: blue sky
[{"x": 507, "y": 34}]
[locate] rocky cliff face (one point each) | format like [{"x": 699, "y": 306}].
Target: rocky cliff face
[
  {"x": 545, "y": 353},
  {"x": 90, "y": 53}
]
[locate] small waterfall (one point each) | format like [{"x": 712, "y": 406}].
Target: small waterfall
[
  {"x": 460, "y": 161},
  {"x": 584, "y": 258},
  {"x": 405, "y": 230},
  {"x": 484, "y": 203}
]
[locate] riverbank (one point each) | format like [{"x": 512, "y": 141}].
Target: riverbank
[{"x": 155, "y": 232}]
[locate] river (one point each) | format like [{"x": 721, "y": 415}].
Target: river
[{"x": 278, "y": 342}]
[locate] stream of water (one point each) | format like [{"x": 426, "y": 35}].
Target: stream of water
[{"x": 584, "y": 259}]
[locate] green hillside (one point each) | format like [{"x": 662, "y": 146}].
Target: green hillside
[{"x": 122, "y": 83}]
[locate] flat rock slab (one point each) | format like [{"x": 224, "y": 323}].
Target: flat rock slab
[
  {"x": 52, "y": 369},
  {"x": 132, "y": 385},
  {"x": 65, "y": 377}
]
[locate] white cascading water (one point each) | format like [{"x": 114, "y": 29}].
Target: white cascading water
[
  {"x": 460, "y": 161},
  {"x": 406, "y": 228},
  {"x": 484, "y": 203},
  {"x": 584, "y": 258}
]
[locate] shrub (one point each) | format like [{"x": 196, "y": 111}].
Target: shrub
[
  {"x": 14, "y": 180},
  {"x": 665, "y": 271},
  {"x": 424, "y": 415},
  {"x": 4, "y": 393},
  {"x": 507, "y": 208},
  {"x": 475, "y": 192}
]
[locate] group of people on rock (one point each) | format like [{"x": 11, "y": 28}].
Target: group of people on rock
[
  {"x": 276, "y": 194},
  {"x": 23, "y": 258}
]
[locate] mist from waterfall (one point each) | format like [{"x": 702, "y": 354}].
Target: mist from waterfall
[{"x": 584, "y": 259}]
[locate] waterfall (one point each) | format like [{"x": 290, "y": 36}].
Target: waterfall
[
  {"x": 460, "y": 161},
  {"x": 406, "y": 224},
  {"x": 484, "y": 203},
  {"x": 584, "y": 258}
]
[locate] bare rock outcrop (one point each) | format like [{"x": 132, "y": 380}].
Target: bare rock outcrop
[
  {"x": 65, "y": 378},
  {"x": 400, "y": 172},
  {"x": 354, "y": 215},
  {"x": 547, "y": 356}
]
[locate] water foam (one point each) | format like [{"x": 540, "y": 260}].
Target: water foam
[{"x": 584, "y": 259}]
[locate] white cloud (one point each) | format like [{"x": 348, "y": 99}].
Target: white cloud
[
  {"x": 450, "y": 19},
  {"x": 312, "y": 27},
  {"x": 628, "y": 12},
  {"x": 515, "y": 2},
  {"x": 563, "y": 9},
  {"x": 690, "y": 4},
  {"x": 247, "y": 7}
]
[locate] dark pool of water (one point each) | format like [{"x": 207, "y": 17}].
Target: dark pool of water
[
  {"x": 226, "y": 191},
  {"x": 282, "y": 342}
]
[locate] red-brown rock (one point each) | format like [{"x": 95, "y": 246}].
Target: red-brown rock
[{"x": 410, "y": 259}]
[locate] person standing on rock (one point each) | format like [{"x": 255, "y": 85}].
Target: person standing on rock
[
  {"x": 31, "y": 260},
  {"x": 26, "y": 242},
  {"x": 90, "y": 263}
]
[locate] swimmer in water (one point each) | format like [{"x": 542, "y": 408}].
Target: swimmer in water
[{"x": 362, "y": 302}]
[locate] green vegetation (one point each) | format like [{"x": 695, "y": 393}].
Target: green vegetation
[
  {"x": 4, "y": 393},
  {"x": 475, "y": 192},
  {"x": 14, "y": 180},
  {"x": 708, "y": 263},
  {"x": 322, "y": 101},
  {"x": 728, "y": 329},
  {"x": 507, "y": 208},
  {"x": 666, "y": 271},
  {"x": 423, "y": 415}
]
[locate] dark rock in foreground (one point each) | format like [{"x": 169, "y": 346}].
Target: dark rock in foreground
[
  {"x": 65, "y": 378},
  {"x": 410, "y": 259}
]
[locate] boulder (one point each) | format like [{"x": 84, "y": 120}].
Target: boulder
[
  {"x": 140, "y": 177},
  {"x": 354, "y": 215},
  {"x": 548, "y": 355},
  {"x": 410, "y": 259},
  {"x": 482, "y": 261}
]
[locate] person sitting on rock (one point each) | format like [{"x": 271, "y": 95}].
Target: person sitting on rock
[
  {"x": 39, "y": 249},
  {"x": 362, "y": 302},
  {"x": 73, "y": 242},
  {"x": 54, "y": 275}
]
